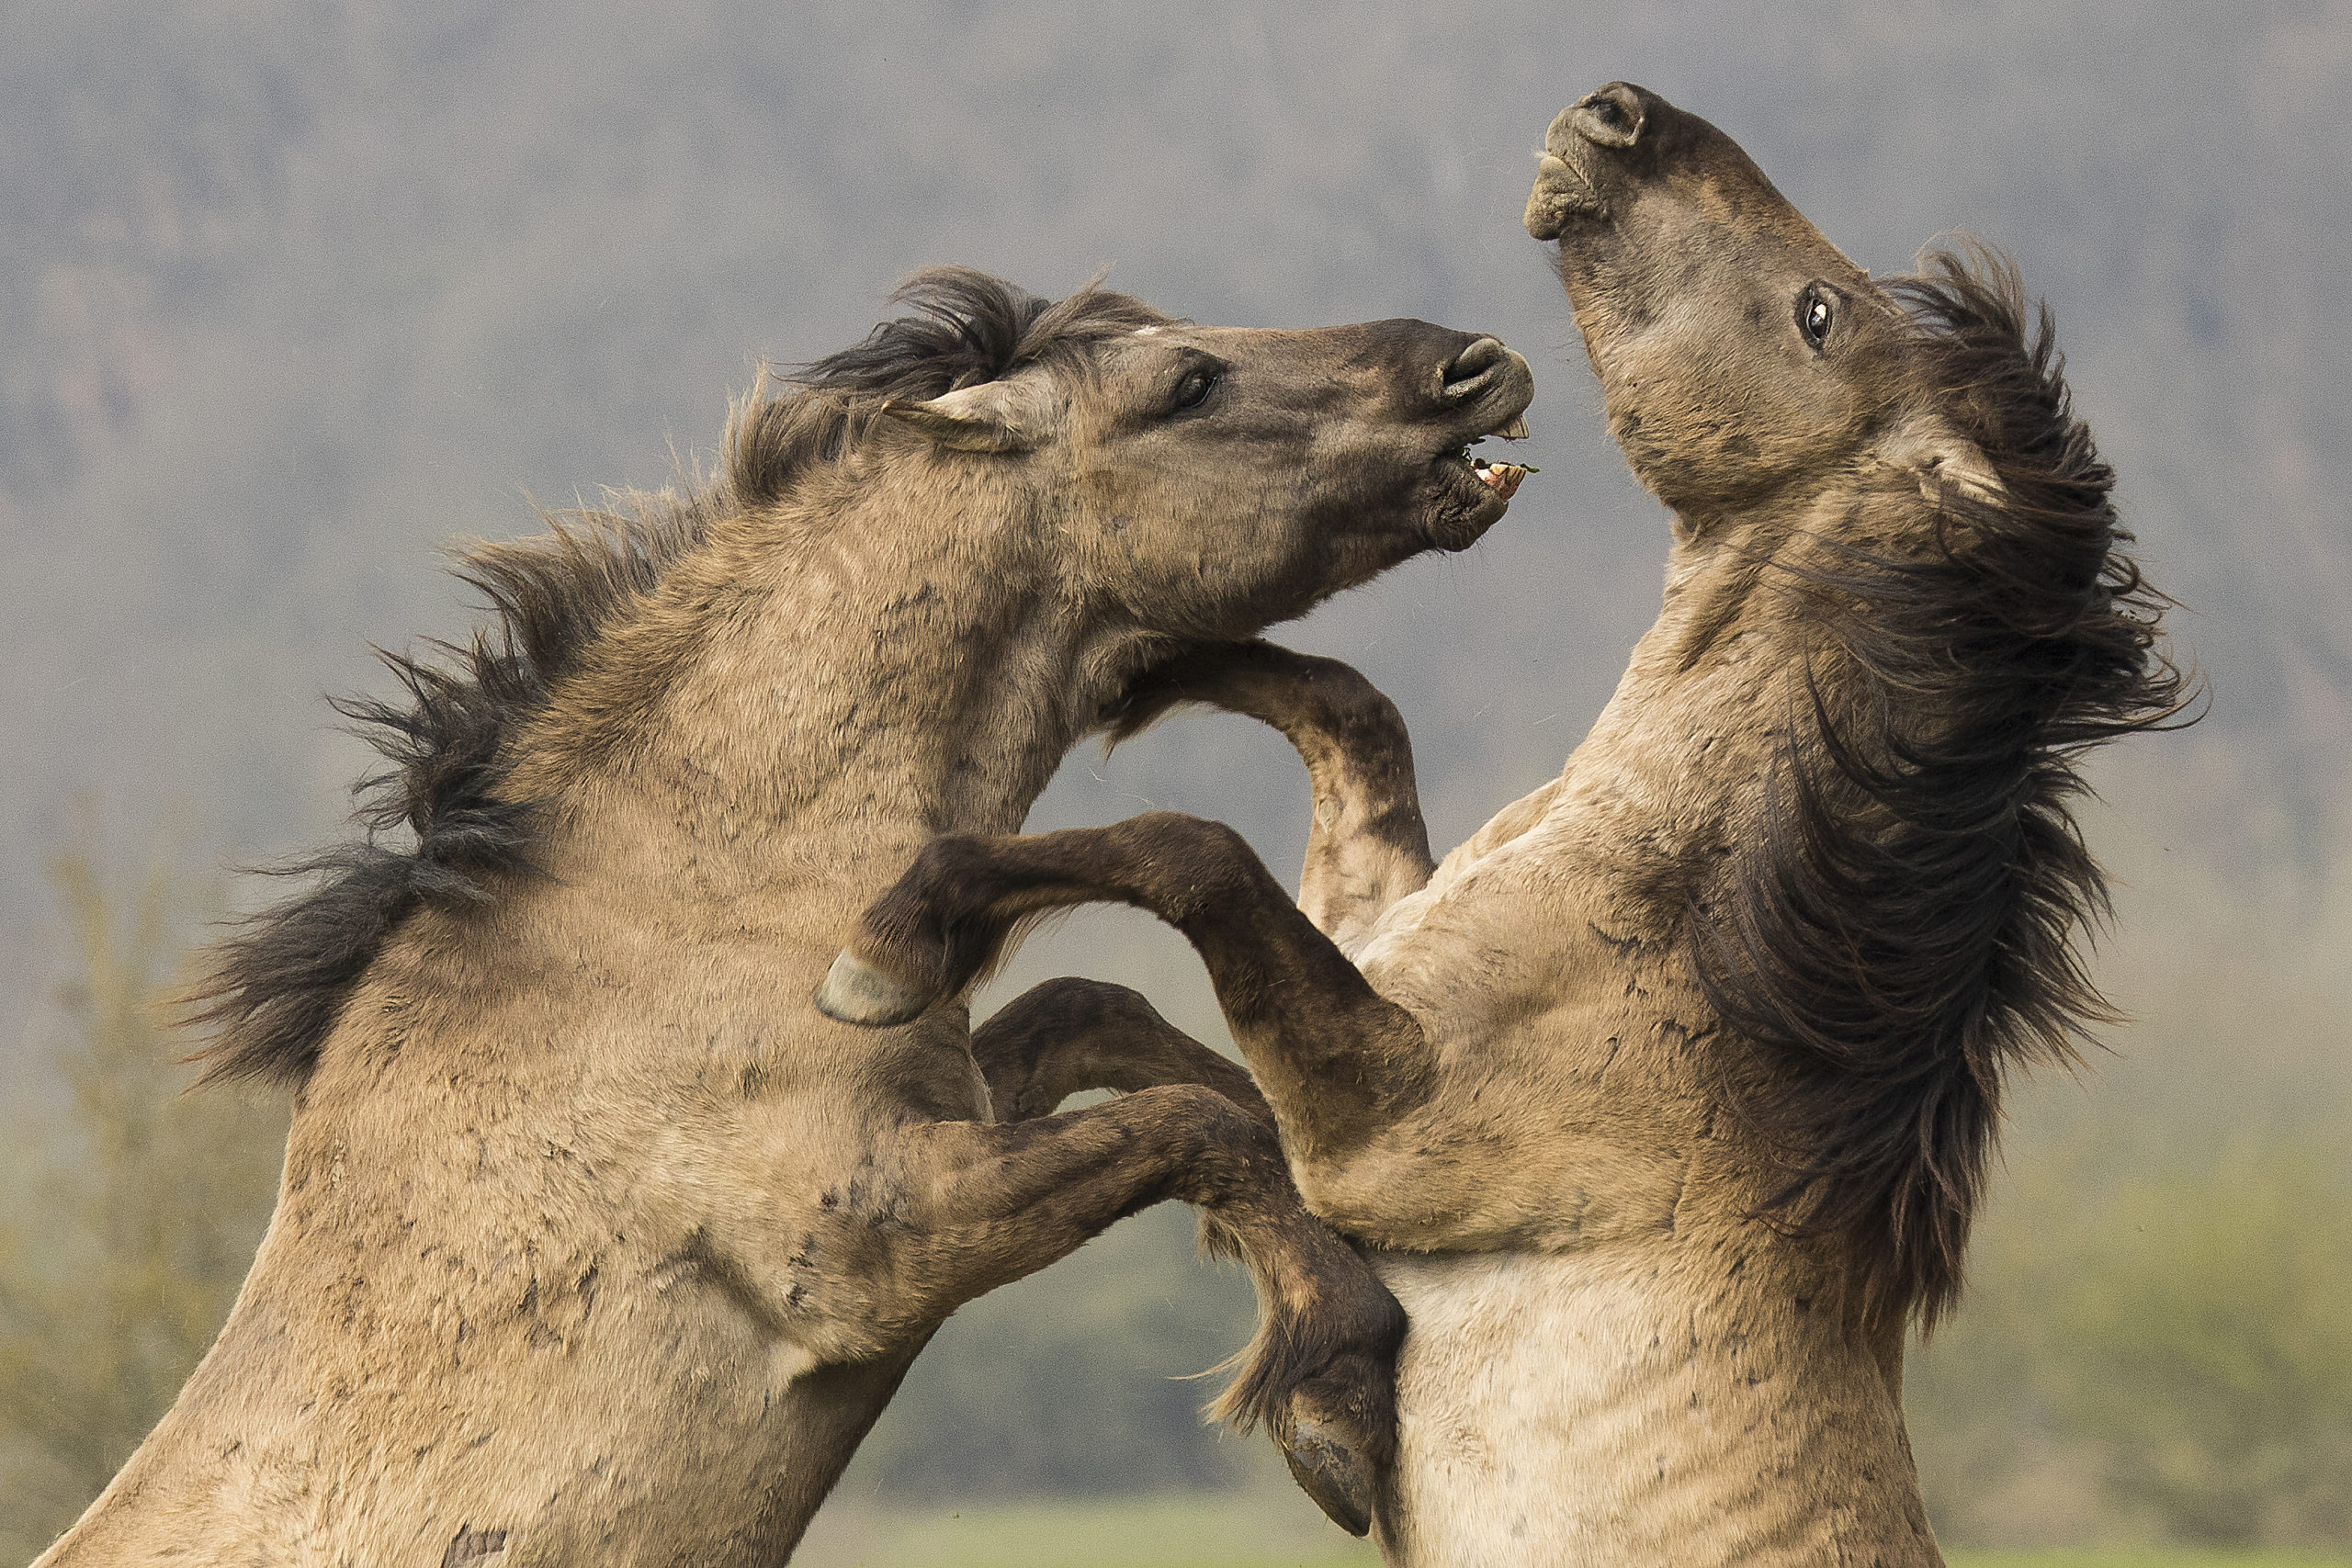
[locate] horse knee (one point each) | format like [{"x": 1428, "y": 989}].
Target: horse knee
[{"x": 1203, "y": 867}]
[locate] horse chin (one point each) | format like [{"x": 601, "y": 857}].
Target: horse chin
[
  {"x": 1463, "y": 506},
  {"x": 1562, "y": 197}
]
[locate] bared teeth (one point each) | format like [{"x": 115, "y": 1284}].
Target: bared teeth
[
  {"x": 1516, "y": 430},
  {"x": 1503, "y": 479}
]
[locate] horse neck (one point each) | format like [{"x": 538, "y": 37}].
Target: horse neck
[
  {"x": 864, "y": 675},
  {"x": 1645, "y": 818},
  {"x": 806, "y": 696},
  {"x": 1674, "y": 771}
]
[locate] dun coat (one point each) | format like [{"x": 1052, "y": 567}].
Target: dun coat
[
  {"x": 1668, "y": 1097},
  {"x": 596, "y": 1242}
]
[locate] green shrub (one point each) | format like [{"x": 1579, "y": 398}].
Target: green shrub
[
  {"x": 138, "y": 1212},
  {"x": 2166, "y": 1355},
  {"x": 2206, "y": 1346}
]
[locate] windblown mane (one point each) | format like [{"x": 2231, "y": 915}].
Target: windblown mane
[
  {"x": 272, "y": 991},
  {"x": 1904, "y": 931},
  {"x": 968, "y": 328}
]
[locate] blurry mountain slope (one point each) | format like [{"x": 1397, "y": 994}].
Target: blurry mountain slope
[{"x": 290, "y": 294}]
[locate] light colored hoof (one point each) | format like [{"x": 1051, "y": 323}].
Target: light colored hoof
[{"x": 856, "y": 992}]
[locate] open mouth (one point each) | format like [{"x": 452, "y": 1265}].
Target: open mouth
[{"x": 1501, "y": 479}]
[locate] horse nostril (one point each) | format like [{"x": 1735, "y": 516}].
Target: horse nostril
[
  {"x": 1469, "y": 370},
  {"x": 1610, "y": 118}
]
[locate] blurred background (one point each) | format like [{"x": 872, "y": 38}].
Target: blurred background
[{"x": 294, "y": 292}]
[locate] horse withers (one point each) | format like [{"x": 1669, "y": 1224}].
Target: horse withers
[
  {"x": 1668, "y": 1096},
  {"x": 597, "y": 1242}
]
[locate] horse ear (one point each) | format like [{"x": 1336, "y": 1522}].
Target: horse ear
[
  {"x": 995, "y": 416},
  {"x": 1943, "y": 462}
]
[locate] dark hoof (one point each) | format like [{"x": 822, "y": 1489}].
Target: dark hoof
[
  {"x": 1329, "y": 1469},
  {"x": 853, "y": 991}
]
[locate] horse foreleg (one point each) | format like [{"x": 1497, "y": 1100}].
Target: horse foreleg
[
  {"x": 1368, "y": 846},
  {"x": 1337, "y": 1062},
  {"x": 990, "y": 1203},
  {"x": 1068, "y": 1035}
]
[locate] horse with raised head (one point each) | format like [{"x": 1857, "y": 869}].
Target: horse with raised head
[
  {"x": 1668, "y": 1097},
  {"x": 597, "y": 1243}
]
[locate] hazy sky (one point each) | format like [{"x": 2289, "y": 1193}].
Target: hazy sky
[{"x": 290, "y": 294}]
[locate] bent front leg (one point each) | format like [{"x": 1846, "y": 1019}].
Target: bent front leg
[
  {"x": 992, "y": 1202},
  {"x": 1070, "y": 1035},
  {"x": 1368, "y": 846},
  {"x": 1337, "y": 1062}
]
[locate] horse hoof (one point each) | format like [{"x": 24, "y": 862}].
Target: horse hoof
[
  {"x": 1330, "y": 1471},
  {"x": 853, "y": 991}
]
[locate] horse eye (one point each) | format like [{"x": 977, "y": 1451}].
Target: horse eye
[
  {"x": 1814, "y": 316},
  {"x": 1194, "y": 390}
]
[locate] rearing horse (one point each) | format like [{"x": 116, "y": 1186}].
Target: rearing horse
[
  {"x": 1668, "y": 1095},
  {"x": 597, "y": 1243}
]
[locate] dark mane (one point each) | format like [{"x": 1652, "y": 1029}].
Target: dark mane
[
  {"x": 272, "y": 991},
  {"x": 966, "y": 327},
  {"x": 1904, "y": 931}
]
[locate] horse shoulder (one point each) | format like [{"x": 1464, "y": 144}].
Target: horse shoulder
[{"x": 1561, "y": 1114}]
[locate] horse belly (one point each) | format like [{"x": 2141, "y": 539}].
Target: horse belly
[
  {"x": 1577, "y": 1409},
  {"x": 1497, "y": 1400}
]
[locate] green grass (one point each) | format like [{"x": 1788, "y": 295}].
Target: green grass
[
  {"x": 1249, "y": 1529},
  {"x": 2140, "y": 1557}
]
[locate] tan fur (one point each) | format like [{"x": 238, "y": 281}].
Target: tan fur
[
  {"x": 597, "y": 1243},
  {"x": 1667, "y": 1099},
  {"x": 1611, "y": 1360}
]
